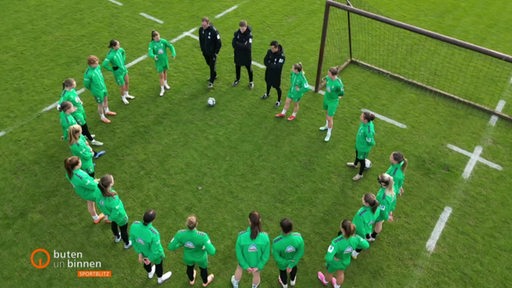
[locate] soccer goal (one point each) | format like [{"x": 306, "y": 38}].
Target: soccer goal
[{"x": 462, "y": 71}]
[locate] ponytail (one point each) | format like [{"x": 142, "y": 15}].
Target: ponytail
[
  {"x": 255, "y": 220},
  {"x": 70, "y": 164},
  {"x": 105, "y": 184}
]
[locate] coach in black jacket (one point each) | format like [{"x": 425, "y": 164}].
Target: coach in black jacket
[
  {"x": 209, "y": 40},
  {"x": 242, "y": 43},
  {"x": 274, "y": 61}
]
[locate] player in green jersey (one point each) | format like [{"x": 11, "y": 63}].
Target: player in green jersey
[
  {"x": 94, "y": 81},
  {"x": 339, "y": 254},
  {"x": 69, "y": 94},
  {"x": 365, "y": 140},
  {"x": 298, "y": 86},
  {"x": 334, "y": 90},
  {"x": 79, "y": 147},
  {"x": 157, "y": 50},
  {"x": 66, "y": 118},
  {"x": 397, "y": 170},
  {"x": 288, "y": 249},
  {"x": 387, "y": 199},
  {"x": 110, "y": 203},
  {"x": 196, "y": 248},
  {"x": 252, "y": 251},
  {"x": 84, "y": 185},
  {"x": 365, "y": 219},
  {"x": 115, "y": 62},
  {"x": 146, "y": 242}
]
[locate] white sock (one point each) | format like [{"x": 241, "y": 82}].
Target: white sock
[
  {"x": 162, "y": 87},
  {"x": 102, "y": 116},
  {"x": 255, "y": 285},
  {"x": 337, "y": 286},
  {"x": 107, "y": 110},
  {"x": 294, "y": 114},
  {"x": 125, "y": 93},
  {"x": 329, "y": 130},
  {"x": 326, "y": 123},
  {"x": 95, "y": 217},
  {"x": 283, "y": 112}
]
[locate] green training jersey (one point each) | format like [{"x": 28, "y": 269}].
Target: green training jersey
[
  {"x": 196, "y": 245},
  {"x": 333, "y": 89},
  {"x": 339, "y": 252},
  {"x": 158, "y": 48},
  {"x": 395, "y": 171},
  {"x": 365, "y": 137},
  {"x": 115, "y": 61},
  {"x": 84, "y": 152},
  {"x": 113, "y": 207},
  {"x": 252, "y": 253},
  {"x": 84, "y": 185},
  {"x": 297, "y": 80},
  {"x": 364, "y": 220},
  {"x": 94, "y": 81},
  {"x": 72, "y": 96},
  {"x": 66, "y": 120},
  {"x": 288, "y": 249},
  {"x": 387, "y": 204},
  {"x": 146, "y": 241}
]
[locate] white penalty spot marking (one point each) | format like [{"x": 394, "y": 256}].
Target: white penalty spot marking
[
  {"x": 438, "y": 229},
  {"x": 386, "y": 119},
  {"x": 473, "y": 159},
  {"x": 226, "y": 12},
  {"x": 147, "y": 16},
  {"x": 2, "y": 133},
  {"x": 116, "y": 2},
  {"x": 499, "y": 108}
]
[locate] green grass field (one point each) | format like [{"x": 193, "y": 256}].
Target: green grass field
[{"x": 178, "y": 156}]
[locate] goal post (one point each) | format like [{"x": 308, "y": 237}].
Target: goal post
[{"x": 467, "y": 73}]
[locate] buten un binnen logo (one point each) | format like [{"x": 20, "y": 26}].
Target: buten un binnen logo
[{"x": 39, "y": 264}]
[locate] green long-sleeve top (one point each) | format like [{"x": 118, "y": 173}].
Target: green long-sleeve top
[
  {"x": 395, "y": 171},
  {"x": 196, "y": 245},
  {"x": 84, "y": 185},
  {"x": 72, "y": 96},
  {"x": 333, "y": 89},
  {"x": 158, "y": 48},
  {"x": 94, "y": 81},
  {"x": 115, "y": 61},
  {"x": 340, "y": 250},
  {"x": 252, "y": 253},
  {"x": 365, "y": 137},
  {"x": 146, "y": 241},
  {"x": 84, "y": 152},
  {"x": 387, "y": 204},
  {"x": 298, "y": 80},
  {"x": 113, "y": 207},
  {"x": 288, "y": 249},
  {"x": 364, "y": 220},
  {"x": 66, "y": 120}
]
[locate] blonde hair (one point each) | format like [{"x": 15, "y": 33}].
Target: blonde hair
[
  {"x": 74, "y": 132},
  {"x": 191, "y": 222},
  {"x": 388, "y": 182}
]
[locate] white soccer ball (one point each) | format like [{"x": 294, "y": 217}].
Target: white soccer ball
[
  {"x": 368, "y": 163},
  {"x": 211, "y": 101}
]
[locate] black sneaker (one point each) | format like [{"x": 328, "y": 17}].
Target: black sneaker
[
  {"x": 235, "y": 83},
  {"x": 99, "y": 154},
  {"x": 278, "y": 103},
  {"x": 265, "y": 96}
]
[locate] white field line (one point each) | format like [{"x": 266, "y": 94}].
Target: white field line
[
  {"x": 53, "y": 105},
  {"x": 472, "y": 162},
  {"x": 116, "y": 2},
  {"x": 147, "y": 16},
  {"x": 140, "y": 59},
  {"x": 192, "y": 36},
  {"x": 226, "y": 12},
  {"x": 438, "y": 229},
  {"x": 258, "y": 65},
  {"x": 469, "y": 154},
  {"x": 499, "y": 108},
  {"x": 386, "y": 119}
]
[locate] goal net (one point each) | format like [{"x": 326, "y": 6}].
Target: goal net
[{"x": 447, "y": 66}]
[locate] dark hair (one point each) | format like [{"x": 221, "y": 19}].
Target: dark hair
[
  {"x": 149, "y": 216},
  {"x": 297, "y": 66},
  {"x": 112, "y": 43},
  {"x": 65, "y": 106},
  {"x": 371, "y": 200},
  {"x": 334, "y": 70},
  {"x": 242, "y": 23},
  {"x": 255, "y": 219},
  {"x": 70, "y": 164},
  {"x": 286, "y": 225},
  {"x": 399, "y": 157},
  {"x": 154, "y": 33},
  {"x": 67, "y": 83},
  {"x": 347, "y": 228},
  {"x": 274, "y": 43},
  {"x": 104, "y": 185},
  {"x": 368, "y": 116}
]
